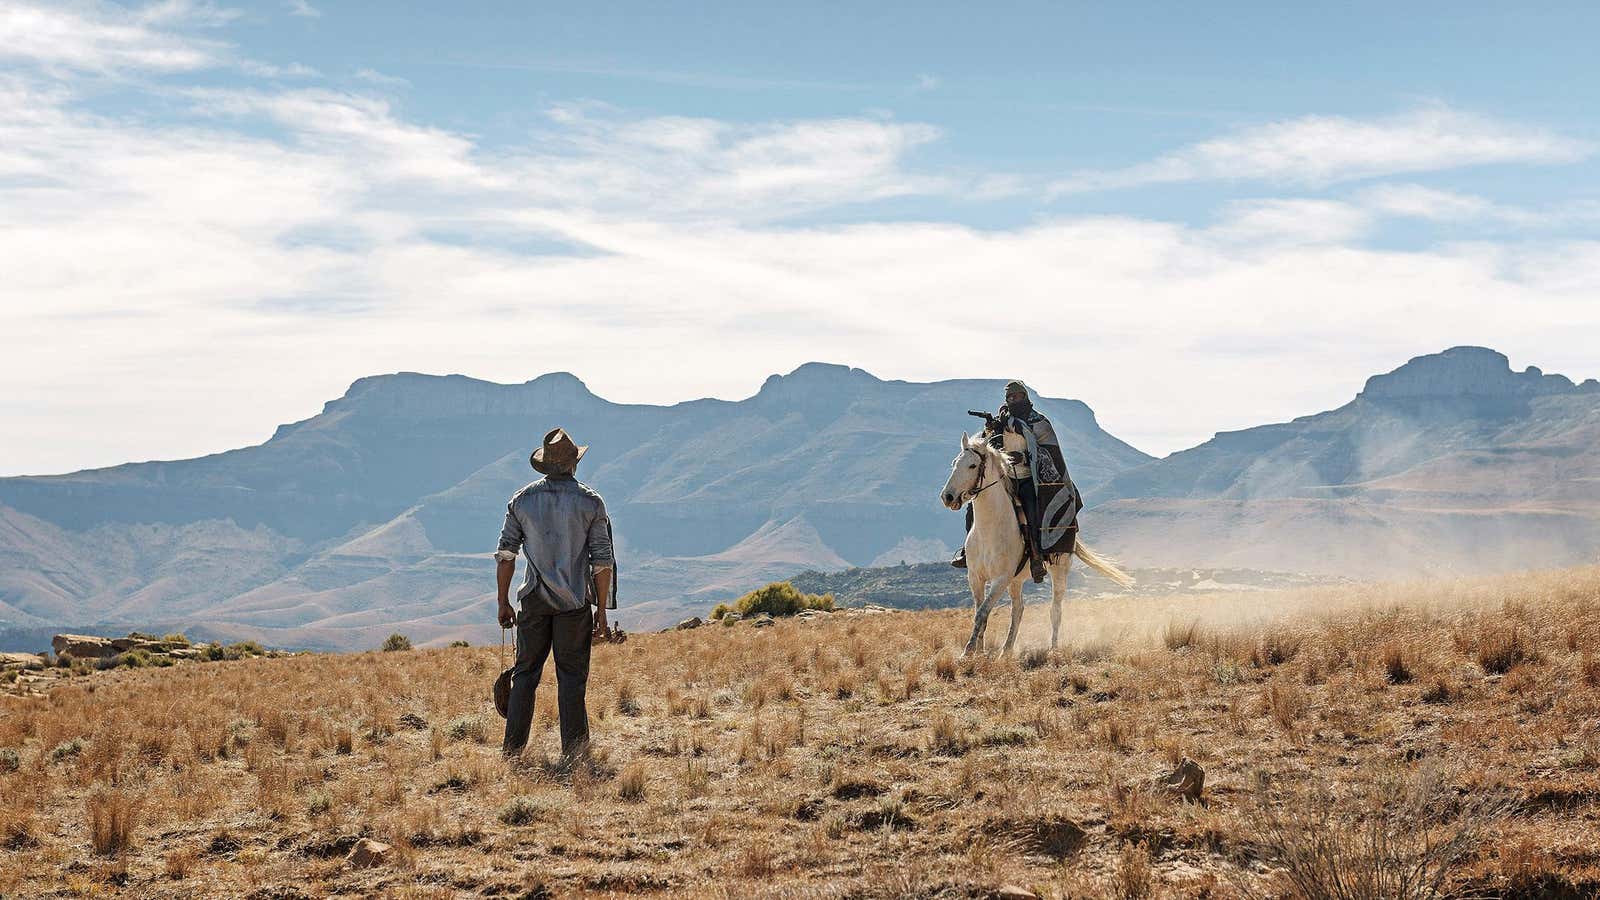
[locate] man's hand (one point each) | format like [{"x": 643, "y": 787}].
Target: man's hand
[
  {"x": 508, "y": 616},
  {"x": 601, "y": 632}
]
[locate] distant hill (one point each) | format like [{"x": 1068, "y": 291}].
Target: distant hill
[
  {"x": 1451, "y": 463},
  {"x": 379, "y": 513}
]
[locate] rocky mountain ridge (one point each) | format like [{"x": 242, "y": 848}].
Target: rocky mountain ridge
[{"x": 380, "y": 510}]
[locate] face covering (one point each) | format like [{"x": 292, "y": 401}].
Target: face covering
[{"x": 1022, "y": 407}]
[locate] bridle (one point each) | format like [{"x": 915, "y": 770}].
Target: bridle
[{"x": 983, "y": 464}]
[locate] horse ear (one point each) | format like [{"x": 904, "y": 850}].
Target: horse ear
[{"x": 963, "y": 440}]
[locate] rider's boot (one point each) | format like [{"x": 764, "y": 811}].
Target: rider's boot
[{"x": 1035, "y": 556}]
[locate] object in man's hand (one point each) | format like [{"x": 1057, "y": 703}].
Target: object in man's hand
[{"x": 502, "y": 692}]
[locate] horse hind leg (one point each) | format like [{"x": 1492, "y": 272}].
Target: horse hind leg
[{"x": 1058, "y": 593}]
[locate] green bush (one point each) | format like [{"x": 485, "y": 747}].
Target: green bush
[
  {"x": 10, "y": 760},
  {"x": 396, "y": 641},
  {"x": 136, "y": 659},
  {"x": 177, "y": 637},
  {"x": 459, "y": 643},
  {"x": 780, "y": 598},
  {"x": 66, "y": 749},
  {"x": 720, "y": 610},
  {"x": 216, "y": 651}
]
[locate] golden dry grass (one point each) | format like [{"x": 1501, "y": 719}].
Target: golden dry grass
[{"x": 857, "y": 755}]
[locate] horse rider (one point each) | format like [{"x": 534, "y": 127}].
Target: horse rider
[{"x": 1019, "y": 417}]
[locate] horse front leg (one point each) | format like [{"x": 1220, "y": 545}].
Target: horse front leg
[
  {"x": 980, "y": 617},
  {"x": 1016, "y": 616}
]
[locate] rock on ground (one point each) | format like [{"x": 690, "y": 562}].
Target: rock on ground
[
  {"x": 83, "y": 646},
  {"x": 1188, "y": 780},
  {"x": 21, "y": 661},
  {"x": 691, "y": 622},
  {"x": 368, "y": 852}
]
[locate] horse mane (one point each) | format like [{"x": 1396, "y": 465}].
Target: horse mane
[{"x": 980, "y": 445}]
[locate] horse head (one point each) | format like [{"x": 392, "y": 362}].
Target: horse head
[{"x": 967, "y": 471}]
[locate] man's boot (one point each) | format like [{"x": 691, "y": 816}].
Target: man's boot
[{"x": 1037, "y": 566}]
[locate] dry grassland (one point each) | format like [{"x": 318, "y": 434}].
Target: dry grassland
[{"x": 1374, "y": 740}]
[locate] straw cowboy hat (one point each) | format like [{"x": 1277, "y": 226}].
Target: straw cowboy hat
[{"x": 559, "y": 454}]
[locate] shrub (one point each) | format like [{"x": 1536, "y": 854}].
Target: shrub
[
  {"x": 474, "y": 728},
  {"x": 1395, "y": 665},
  {"x": 111, "y": 816},
  {"x": 10, "y": 760},
  {"x": 520, "y": 810},
  {"x": 459, "y": 643},
  {"x": 396, "y": 641},
  {"x": 216, "y": 651},
  {"x": 1395, "y": 837},
  {"x": 242, "y": 650},
  {"x": 176, "y": 637},
  {"x": 317, "y": 803},
  {"x": 780, "y": 598},
  {"x": 630, "y": 786},
  {"x": 66, "y": 749},
  {"x": 136, "y": 659},
  {"x": 720, "y": 610},
  {"x": 1501, "y": 649}
]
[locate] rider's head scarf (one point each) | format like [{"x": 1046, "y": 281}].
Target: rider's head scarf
[{"x": 1017, "y": 399}]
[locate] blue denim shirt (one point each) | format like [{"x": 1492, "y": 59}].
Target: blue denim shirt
[{"x": 561, "y": 527}]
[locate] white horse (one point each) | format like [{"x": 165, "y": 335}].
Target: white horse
[{"x": 995, "y": 549}]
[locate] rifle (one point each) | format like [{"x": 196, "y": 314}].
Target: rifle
[{"x": 991, "y": 427}]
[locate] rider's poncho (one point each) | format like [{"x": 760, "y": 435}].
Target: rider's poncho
[{"x": 1059, "y": 500}]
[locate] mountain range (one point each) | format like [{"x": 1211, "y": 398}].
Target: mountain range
[
  {"x": 1451, "y": 464},
  {"x": 379, "y": 513}
]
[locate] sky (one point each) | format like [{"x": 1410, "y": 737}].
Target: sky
[{"x": 1195, "y": 218}]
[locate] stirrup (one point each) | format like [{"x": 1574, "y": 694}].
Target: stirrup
[{"x": 960, "y": 560}]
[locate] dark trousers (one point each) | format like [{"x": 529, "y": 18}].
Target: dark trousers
[
  {"x": 569, "y": 634},
  {"x": 1029, "y": 495}
]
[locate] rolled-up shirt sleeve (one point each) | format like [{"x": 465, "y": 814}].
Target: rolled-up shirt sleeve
[
  {"x": 600, "y": 553},
  {"x": 510, "y": 537}
]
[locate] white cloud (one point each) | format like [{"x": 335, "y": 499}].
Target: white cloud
[
  {"x": 1319, "y": 150},
  {"x": 1273, "y": 222},
  {"x": 303, "y": 9},
  {"x": 373, "y": 76},
  {"x": 157, "y": 270},
  {"x": 104, "y": 38}
]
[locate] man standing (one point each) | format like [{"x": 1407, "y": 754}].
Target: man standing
[
  {"x": 1041, "y": 464},
  {"x": 560, "y": 526}
]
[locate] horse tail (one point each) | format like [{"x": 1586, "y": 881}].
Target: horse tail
[{"x": 1103, "y": 564}]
